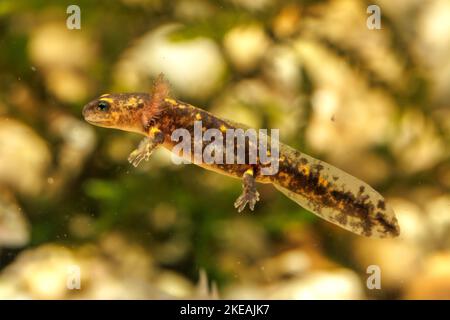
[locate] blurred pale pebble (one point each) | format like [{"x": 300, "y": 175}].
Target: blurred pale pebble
[
  {"x": 100, "y": 279},
  {"x": 230, "y": 108},
  {"x": 340, "y": 124},
  {"x": 127, "y": 255},
  {"x": 79, "y": 140},
  {"x": 412, "y": 220},
  {"x": 434, "y": 31},
  {"x": 110, "y": 277},
  {"x": 283, "y": 67},
  {"x": 246, "y": 45},
  {"x": 290, "y": 263},
  {"x": 195, "y": 67},
  {"x": 416, "y": 143},
  {"x": 194, "y": 9},
  {"x": 24, "y": 157},
  {"x": 62, "y": 56},
  {"x": 290, "y": 118},
  {"x": 253, "y": 92},
  {"x": 434, "y": 280},
  {"x": 231, "y": 105},
  {"x": 432, "y": 46},
  {"x": 399, "y": 261},
  {"x": 174, "y": 284},
  {"x": 250, "y": 99},
  {"x": 76, "y": 133},
  {"x": 339, "y": 284},
  {"x": 44, "y": 273},
  {"x": 424, "y": 193},
  {"x": 326, "y": 103},
  {"x": 343, "y": 22},
  {"x": 411, "y": 246},
  {"x": 361, "y": 115},
  {"x": 438, "y": 210},
  {"x": 67, "y": 84},
  {"x": 53, "y": 46},
  {"x": 14, "y": 226},
  {"x": 39, "y": 273}
]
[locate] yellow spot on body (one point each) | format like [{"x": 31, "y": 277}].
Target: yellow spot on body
[
  {"x": 132, "y": 101},
  {"x": 104, "y": 95},
  {"x": 249, "y": 171},
  {"x": 305, "y": 170},
  {"x": 323, "y": 181},
  {"x": 223, "y": 128},
  {"x": 268, "y": 153},
  {"x": 171, "y": 101},
  {"x": 198, "y": 116},
  {"x": 109, "y": 100},
  {"x": 154, "y": 130}
]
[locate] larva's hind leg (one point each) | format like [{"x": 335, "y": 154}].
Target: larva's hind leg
[{"x": 249, "y": 194}]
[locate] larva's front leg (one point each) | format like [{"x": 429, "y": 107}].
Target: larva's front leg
[
  {"x": 249, "y": 194},
  {"x": 146, "y": 147}
]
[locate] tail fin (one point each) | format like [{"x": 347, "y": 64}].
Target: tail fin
[{"x": 335, "y": 196}]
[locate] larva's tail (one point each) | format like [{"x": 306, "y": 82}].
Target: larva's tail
[{"x": 335, "y": 195}]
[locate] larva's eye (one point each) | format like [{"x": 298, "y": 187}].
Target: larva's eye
[{"x": 103, "y": 106}]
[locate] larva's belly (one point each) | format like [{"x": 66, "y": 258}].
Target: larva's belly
[{"x": 232, "y": 170}]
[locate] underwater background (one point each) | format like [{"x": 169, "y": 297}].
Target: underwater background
[{"x": 373, "y": 102}]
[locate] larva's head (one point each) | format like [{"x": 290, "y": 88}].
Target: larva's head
[{"x": 119, "y": 111}]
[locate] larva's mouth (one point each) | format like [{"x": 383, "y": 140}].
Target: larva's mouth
[{"x": 99, "y": 122}]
